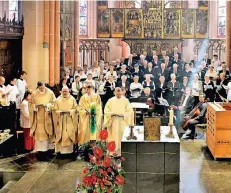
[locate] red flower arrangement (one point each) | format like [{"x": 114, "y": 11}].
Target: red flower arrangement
[{"x": 103, "y": 174}]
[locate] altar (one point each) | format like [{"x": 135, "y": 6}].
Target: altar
[{"x": 151, "y": 166}]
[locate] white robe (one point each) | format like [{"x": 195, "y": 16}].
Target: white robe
[{"x": 116, "y": 124}]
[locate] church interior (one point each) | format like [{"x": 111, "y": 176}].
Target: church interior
[{"x": 120, "y": 96}]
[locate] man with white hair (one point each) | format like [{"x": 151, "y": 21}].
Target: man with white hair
[
  {"x": 65, "y": 122},
  {"x": 175, "y": 52},
  {"x": 118, "y": 114}
]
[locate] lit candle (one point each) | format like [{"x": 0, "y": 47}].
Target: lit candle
[{"x": 171, "y": 116}]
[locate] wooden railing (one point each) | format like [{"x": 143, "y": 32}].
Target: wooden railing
[{"x": 91, "y": 50}]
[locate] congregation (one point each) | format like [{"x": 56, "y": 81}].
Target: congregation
[{"x": 149, "y": 79}]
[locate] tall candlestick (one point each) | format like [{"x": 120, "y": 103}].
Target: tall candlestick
[{"x": 171, "y": 116}]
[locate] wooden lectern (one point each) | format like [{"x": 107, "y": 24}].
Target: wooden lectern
[{"x": 218, "y": 134}]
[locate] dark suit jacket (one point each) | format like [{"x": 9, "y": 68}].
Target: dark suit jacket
[
  {"x": 158, "y": 72},
  {"x": 189, "y": 103},
  {"x": 127, "y": 84}
]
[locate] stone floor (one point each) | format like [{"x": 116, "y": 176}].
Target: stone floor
[{"x": 199, "y": 172}]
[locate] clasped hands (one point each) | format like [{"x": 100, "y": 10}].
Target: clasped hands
[{"x": 117, "y": 114}]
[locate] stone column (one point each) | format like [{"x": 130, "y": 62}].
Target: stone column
[
  {"x": 57, "y": 41},
  {"x": 46, "y": 25},
  {"x": 33, "y": 53},
  {"x": 76, "y": 53},
  {"x": 228, "y": 33},
  {"x": 52, "y": 43}
]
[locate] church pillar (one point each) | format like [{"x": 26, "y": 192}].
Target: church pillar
[
  {"x": 228, "y": 33},
  {"x": 76, "y": 54},
  {"x": 125, "y": 51},
  {"x": 52, "y": 43},
  {"x": 57, "y": 41},
  {"x": 33, "y": 52},
  {"x": 46, "y": 24}
]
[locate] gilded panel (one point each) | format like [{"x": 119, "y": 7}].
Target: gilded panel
[
  {"x": 103, "y": 18},
  {"x": 146, "y": 4},
  {"x": 102, "y": 4},
  {"x": 117, "y": 23},
  {"x": 153, "y": 24},
  {"x": 188, "y": 23},
  {"x": 152, "y": 129},
  {"x": 201, "y": 26},
  {"x": 171, "y": 24},
  {"x": 134, "y": 23}
]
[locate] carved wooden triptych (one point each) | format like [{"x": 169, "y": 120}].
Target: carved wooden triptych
[{"x": 156, "y": 19}]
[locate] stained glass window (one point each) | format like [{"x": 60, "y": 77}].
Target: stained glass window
[
  {"x": 221, "y": 18},
  {"x": 82, "y": 17},
  {"x": 13, "y": 9}
]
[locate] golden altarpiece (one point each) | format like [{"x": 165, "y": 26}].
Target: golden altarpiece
[{"x": 155, "y": 25}]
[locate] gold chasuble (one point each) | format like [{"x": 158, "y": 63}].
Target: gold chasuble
[
  {"x": 118, "y": 114},
  {"x": 41, "y": 119},
  {"x": 86, "y": 103},
  {"x": 65, "y": 122}
]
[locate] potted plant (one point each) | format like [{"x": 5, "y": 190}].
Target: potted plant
[{"x": 103, "y": 174}]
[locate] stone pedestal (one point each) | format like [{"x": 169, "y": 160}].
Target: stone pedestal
[{"x": 151, "y": 166}]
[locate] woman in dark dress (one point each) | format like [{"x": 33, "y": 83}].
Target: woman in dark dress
[
  {"x": 173, "y": 91},
  {"x": 109, "y": 88},
  {"x": 209, "y": 89}
]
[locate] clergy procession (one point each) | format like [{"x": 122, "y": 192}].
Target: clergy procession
[{"x": 61, "y": 124}]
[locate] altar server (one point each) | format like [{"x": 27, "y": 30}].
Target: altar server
[
  {"x": 65, "y": 122},
  {"x": 118, "y": 114},
  {"x": 22, "y": 85},
  {"x": 87, "y": 101},
  {"x": 41, "y": 119},
  {"x": 25, "y": 122}
]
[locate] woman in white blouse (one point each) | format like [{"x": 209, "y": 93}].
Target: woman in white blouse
[
  {"x": 196, "y": 88},
  {"x": 25, "y": 122},
  {"x": 111, "y": 72},
  {"x": 136, "y": 88}
]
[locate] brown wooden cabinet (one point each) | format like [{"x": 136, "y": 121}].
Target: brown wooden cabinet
[{"x": 218, "y": 134}]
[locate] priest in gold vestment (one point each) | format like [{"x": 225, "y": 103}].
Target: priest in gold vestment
[
  {"x": 118, "y": 114},
  {"x": 40, "y": 107},
  {"x": 86, "y": 101},
  {"x": 65, "y": 122}
]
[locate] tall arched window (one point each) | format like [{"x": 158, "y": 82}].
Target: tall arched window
[
  {"x": 82, "y": 17},
  {"x": 221, "y": 20},
  {"x": 13, "y": 9}
]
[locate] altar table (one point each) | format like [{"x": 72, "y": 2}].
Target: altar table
[{"x": 151, "y": 166}]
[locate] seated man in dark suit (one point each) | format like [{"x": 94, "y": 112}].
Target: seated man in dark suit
[
  {"x": 200, "y": 119},
  {"x": 185, "y": 106}
]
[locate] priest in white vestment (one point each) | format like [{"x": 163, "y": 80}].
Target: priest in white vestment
[
  {"x": 118, "y": 114},
  {"x": 40, "y": 107},
  {"x": 86, "y": 101},
  {"x": 65, "y": 122}
]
